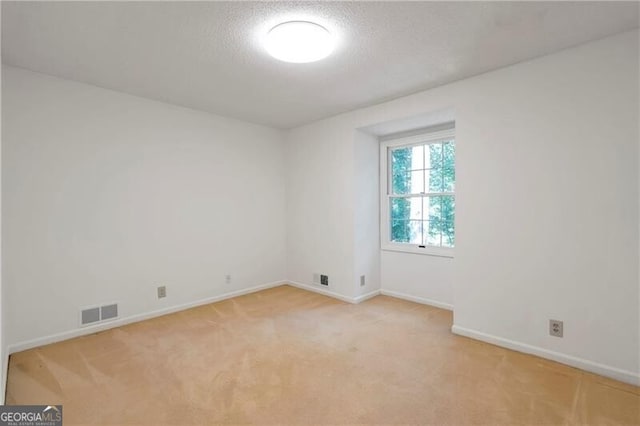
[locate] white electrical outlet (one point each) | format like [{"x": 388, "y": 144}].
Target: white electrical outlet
[
  {"x": 227, "y": 279},
  {"x": 556, "y": 328}
]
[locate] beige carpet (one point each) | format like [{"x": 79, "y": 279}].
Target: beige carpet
[{"x": 288, "y": 356}]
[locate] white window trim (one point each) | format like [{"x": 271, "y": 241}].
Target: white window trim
[{"x": 385, "y": 178}]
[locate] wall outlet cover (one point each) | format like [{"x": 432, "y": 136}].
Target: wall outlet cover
[{"x": 556, "y": 328}]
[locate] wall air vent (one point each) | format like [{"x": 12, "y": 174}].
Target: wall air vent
[
  {"x": 108, "y": 312},
  {"x": 320, "y": 279},
  {"x": 97, "y": 314},
  {"x": 89, "y": 316}
]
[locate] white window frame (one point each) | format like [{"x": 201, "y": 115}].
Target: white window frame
[{"x": 385, "y": 192}]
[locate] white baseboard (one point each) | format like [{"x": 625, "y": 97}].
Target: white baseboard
[
  {"x": 362, "y": 298},
  {"x": 604, "y": 370},
  {"x": 320, "y": 290},
  {"x": 65, "y": 335},
  {"x": 366, "y": 296},
  {"x": 325, "y": 292},
  {"x": 40, "y": 341},
  {"x": 417, "y": 299},
  {"x": 583, "y": 364}
]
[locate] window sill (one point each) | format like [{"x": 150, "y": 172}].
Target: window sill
[{"x": 426, "y": 251}]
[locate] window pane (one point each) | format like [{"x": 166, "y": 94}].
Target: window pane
[
  {"x": 415, "y": 208},
  {"x": 433, "y": 156},
  {"x": 432, "y": 209},
  {"x": 432, "y": 233},
  {"x": 401, "y": 213},
  {"x": 406, "y": 208},
  {"x": 400, "y": 167},
  {"x": 448, "y": 234},
  {"x": 416, "y": 232},
  {"x": 449, "y": 154},
  {"x": 407, "y": 174},
  {"x": 416, "y": 185},
  {"x": 401, "y": 183},
  {"x": 423, "y": 169},
  {"x": 440, "y": 212},
  {"x": 400, "y": 231},
  {"x": 448, "y": 208},
  {"x": 449, "y": 178},
  {"x": 411, "y": 182},
  {"x": 406, "y": 220},
  {"x": 410, "y": 208},
  {"x": 400, "y": 209},
  {"x": 399, "y": 158},
  {"x": 449, "y": 158},
  {"x": 434, "y": 181},
  {"x": 406, "y": 231},
  {"x": 417, "y": 157}
]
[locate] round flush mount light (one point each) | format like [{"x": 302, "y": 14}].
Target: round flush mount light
[{"x": 299, "y": 42}]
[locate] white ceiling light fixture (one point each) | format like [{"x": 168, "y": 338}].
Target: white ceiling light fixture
[{"x": 299, "y": 42}]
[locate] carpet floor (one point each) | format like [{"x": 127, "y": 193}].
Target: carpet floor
[{"x": 288, "y": 356}]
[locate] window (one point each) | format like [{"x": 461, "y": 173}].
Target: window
[{"x": 418, "y": 193}]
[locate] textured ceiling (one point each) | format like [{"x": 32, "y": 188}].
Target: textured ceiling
[{"x": 208, "y": 55}]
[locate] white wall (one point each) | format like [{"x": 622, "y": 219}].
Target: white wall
[
  {"x": 106, "y": 196},
  {"x": 366, "y": 219},
  {"x": 320, "y": 214},
  {"x": 547, "y": 152},
  {"x": 550, "y": 229},
  {"x": 425, "y": 279}
]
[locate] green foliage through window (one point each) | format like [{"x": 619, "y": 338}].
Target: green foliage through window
[{"x": 422, "y": 203}]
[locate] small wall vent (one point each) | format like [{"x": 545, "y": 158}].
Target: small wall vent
[
  {"x": 108, "y": 312},
  {"x": 96, "y": 314},
  {"x": 320, "y": 279},
  {"x": 89, "y": 316}
]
